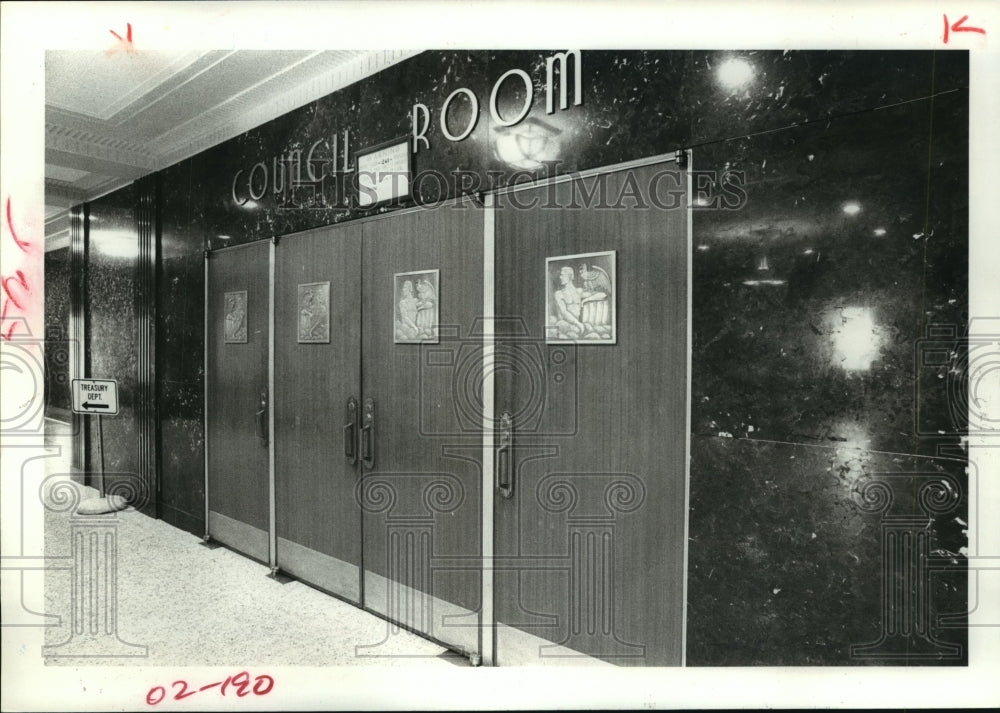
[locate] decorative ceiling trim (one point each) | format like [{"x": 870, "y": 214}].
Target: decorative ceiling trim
[
  {"x": 364, "y": 65},
  {"x": 104, "y": 148}
]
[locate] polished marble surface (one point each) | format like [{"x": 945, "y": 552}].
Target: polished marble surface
[{"x": 57, "y": 351}]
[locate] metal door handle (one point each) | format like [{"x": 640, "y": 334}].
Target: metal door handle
[
  {"x": 505, "y": 460},
  {"x": 368, "y": 434},
  {"x": 350, "y": 440},
  {"x": 261, "y": 418}
]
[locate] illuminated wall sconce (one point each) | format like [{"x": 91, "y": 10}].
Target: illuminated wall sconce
[{"x": 527, "y": 145}]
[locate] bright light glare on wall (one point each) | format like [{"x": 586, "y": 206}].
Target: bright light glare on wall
[
  {"x": 735, "y": 72},
  {"x": 115, "y": 244},
  {"x": 852, "y": 208},
  {"x": 855, "y": 339},
  {"x": 879, "y": 232}
]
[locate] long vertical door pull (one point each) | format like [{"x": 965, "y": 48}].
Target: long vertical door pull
[
  {"x": 262, "y": 419},
  {"x": 350, "y": 431},
  {"x": 368, "y": 434},
  {"x": 505, "y": 462}
]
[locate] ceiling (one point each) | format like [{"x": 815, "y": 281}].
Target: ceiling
[{"x": 114, "y": 116}]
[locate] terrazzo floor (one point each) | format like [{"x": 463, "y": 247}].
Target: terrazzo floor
[{"x": 182, "y": 603}]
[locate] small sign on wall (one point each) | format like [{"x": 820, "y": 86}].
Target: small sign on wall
[
  {"x": 383, "y": 173},
  {"x": 95, "y": 397},
  {"x": 580, "y": 299},
  {"x": 235, "y": 328},
  {"x": 415, "y": 307},
  {"x": 314, "y": 313}
]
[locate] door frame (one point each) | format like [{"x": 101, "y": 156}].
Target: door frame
[
  {"x": 271, "y": 532},
  {"x": 683, "y": 159}
]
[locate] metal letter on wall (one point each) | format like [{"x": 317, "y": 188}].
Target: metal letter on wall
[
  {"x": 314, "y": 313},
  {"x": 236, "y": 317},
  {"x": 580, "y": 298},
  {"x": 415, "y": 307}
]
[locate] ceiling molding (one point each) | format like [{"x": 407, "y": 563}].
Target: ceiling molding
[
  {"x": 245, "y": 114},
  {"x": 187, "y": 104}
]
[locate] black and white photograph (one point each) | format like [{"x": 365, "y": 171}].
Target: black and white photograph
[{"x": 476, "y": 356}]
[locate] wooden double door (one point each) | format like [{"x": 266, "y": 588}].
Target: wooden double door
[
  {"x": 343, "y": 389},
  {"x": 375, "y": 438}
]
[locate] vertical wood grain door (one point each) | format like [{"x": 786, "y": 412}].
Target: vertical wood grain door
[
  {"x": 421, "y": 436},
  {"x": 317, "y": 381},
  {"x": 238, "y": 398},
  {"x": 591, "y": 368}
]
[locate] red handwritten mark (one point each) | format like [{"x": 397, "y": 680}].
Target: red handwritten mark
[
  {"x": 17, "y": 278},
  {"x": 21, "y": 280},
  {"x": 23, "y": 244},
  {"x": 957, "y": 27},
  {"x": 262, "y": 685},
  {"x": 123, "y": 43}
]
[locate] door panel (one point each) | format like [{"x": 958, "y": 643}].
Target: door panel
[
  {"x": 317, "y": 334},
  {"x": 590, "y": 543},
  {"x": 237, "y": 439},
  {"x": 422, "y": 485}
]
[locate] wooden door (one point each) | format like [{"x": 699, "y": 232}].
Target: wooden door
[
  {"x": 421, "y": 421},
  {"x": 591, "y": 365},
  {"x": 317, "y": 337},
  {"x": 238, "y": 399}
]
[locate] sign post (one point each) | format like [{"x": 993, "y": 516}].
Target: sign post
[{"x": 96, "y": 397}]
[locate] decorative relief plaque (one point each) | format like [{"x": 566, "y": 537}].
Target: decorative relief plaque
[
  {"x": 314, "y": 313},
  {"x": 580, "y": 299},
  {"x": 235, "y": 328},
  {"x": 415, "y": 307}
]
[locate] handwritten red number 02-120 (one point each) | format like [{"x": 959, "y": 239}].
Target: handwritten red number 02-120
[{"x": 262, "y": 685}]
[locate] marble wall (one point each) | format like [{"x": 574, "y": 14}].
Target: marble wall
[
  {"x": 823, "y": 272},
  {"x": 57, "y": 348},
  {"x": 813, "y": 306},
  {"x": 180, "y": 349},
  {"x": 111, "y": 329}
]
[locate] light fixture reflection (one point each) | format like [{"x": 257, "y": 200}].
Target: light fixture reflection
[
  {"x": 856, "y": 338},
  {"x": 879, "y": 232},
  {"x": 703, "y": 248},
  {"x": 123, "y": 244},
  {"x": 852, "y": 207},
  {"x": 735, "y": 72}
]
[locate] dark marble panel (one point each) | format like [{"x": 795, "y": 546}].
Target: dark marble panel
[
  {"x": 274, "y": 161},
  {"x": 786, "y": 562},
  {"x": 809, "y": 317},
  {"x": 57, "y": 348},
  {"x": 635, "y": 104},
  {"x": 112, "y": 253},
  {"x": 386, "y": 103},
  {"x": 810, "y": 325},
  {"x": 180, "y": 349}
]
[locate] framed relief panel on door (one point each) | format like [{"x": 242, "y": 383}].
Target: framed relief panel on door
[
  {"x": 235, "y": 325},
  {"x": 415, "y": 307},
  {"x": 314, "y": 313},
  {"x": 580, "y": 299}
]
